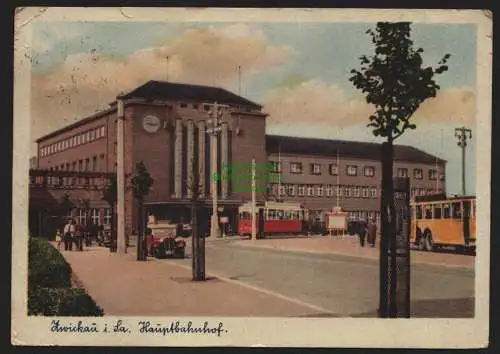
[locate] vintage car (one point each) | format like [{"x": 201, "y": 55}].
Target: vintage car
[{"x": 162, "y": 242}]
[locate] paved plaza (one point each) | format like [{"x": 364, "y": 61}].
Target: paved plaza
[{"x": 286, "y": 277}]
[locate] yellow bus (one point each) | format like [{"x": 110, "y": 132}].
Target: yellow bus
[{"x": 442, "y": 221}]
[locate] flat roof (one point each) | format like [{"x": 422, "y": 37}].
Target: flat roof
[{"x": 356, "y": 149}]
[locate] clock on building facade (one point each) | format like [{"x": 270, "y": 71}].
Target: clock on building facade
[{"x": 151, "y": 123}]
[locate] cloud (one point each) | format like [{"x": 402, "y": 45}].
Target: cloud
[
  {"x": 315, "y": 101},
  {"x": 86, "y": 82}
]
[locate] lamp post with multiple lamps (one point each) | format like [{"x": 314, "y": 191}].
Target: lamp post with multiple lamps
[
  {"x": 215, "y": 128},
  {"x": 462, "y": 134}
]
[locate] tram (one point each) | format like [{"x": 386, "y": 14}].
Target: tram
[{"x": 274, "y": 217}]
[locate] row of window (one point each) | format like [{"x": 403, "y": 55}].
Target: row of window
[
  {"x": 310, "y": 190},
  {"x": 301, "y": 190},
  {"x": 207, "y": 107},
  {"x": 88, "y": 164},
  {"x": 92, "y": 215},
  {"x": 443, "y": 211},
  {"x": 77, "y": 140},
  {"x": 351, "y": 170}
]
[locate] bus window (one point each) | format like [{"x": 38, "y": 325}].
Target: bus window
[
  {"x": 437, "y": 211},
  {"x": 457, "y": 210},
  {"x": 446, "y": 211},
  {"x": 418, "y": 212},
  {"x": 428, "y": 212}
]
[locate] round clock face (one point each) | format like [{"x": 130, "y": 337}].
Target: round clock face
[{"x": 151, "y": 124}]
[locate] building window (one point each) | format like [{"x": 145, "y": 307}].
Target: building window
[
  {"x": 352, "y": 170},
  {"x": 366, "y": 193},
  {"x": 319, "y": 191},
  {"x": 369, "y": 171},
  {"x": 73, "y": 166},
  {"x": 206, "y": 107},
  {"x": 441, "y": 176},
  {"x": 296, "y": 167},
  {"x": 80, "y": 165},
  {"x": 102, "y": 164},
  {"x": 195, "y": 106},
  {"x": 68, "y": 166},
  {"x": 334, "y": 170},
  {"x": 418, "y": 173},
  {"x": 102, "y": 131},
  {"x": 275, "y": 166},
  {"x": 95, "y": 216},
  {"x": 87, "y": 165},
  {"x": 432, "y": 174},
  {"x": 310, "y": 191},
  {"x": 315, "y": 169},
  {"x": 81, "y": 216},
  {"x": 329, "y": 191},
  {"x": 357, "y": 192},
  {"x": 348, "y": 192},
  {"x": 291, "y": 190},
  {"x": 88, "y": 136},
  {"x": 107, "y": 216},
  {"x": 302, "y": 190},
  {"x": 183, "y": 105},
  {"x": 91, "y": 135},
  {"x": 373, "y": 192},
  {"x": 338, "y": 191},
  {"x": 402, "y": 172},
  {"x": 281, "y": 190},
  {"x": 94, "y": 164}
]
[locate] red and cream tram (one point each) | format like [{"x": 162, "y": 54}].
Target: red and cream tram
[{"x": 279, "y": 218}]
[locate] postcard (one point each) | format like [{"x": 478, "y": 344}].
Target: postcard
[{"x": 251, "y": 177}]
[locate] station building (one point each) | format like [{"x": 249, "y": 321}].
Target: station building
[{"x": 166, "y": 128}]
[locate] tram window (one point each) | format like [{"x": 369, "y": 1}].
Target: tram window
[
  {"x": 287, "y": 215},
  {"x": 418, "y": 212},
  {"x": 428, "y": 212},
  {"x": 446, "y": 211},
  {"x": 280, "y": 215},
  {"x": 457, "y": 211},
  {"x": 272, "y": 214},
  {"x": 437, "y": 212}
]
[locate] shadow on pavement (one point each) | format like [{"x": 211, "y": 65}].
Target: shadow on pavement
[{"x": 442, "y": 308}]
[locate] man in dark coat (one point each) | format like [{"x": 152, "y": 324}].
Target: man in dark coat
[
  {"x": 372, "y": 232},
  {"x": 362, "y": 232}
]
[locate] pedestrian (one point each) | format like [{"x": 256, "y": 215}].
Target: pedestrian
[
  {"x": 68, "y": 233},
  {"x": 59, "y": 239},
  {"x": 362, "y": 232},
  {"x": 372, "y": 232},
  {"x": 78, "y": 238}
]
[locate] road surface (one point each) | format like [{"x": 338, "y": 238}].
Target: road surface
[{"x": 338, "y": 285}]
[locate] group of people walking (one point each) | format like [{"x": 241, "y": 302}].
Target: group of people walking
[
  {"x": 77, "y": 235},
  {"x": 367, "y": 228}
]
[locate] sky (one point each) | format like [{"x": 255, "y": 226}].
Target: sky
[{"x": 298, "y": 71}]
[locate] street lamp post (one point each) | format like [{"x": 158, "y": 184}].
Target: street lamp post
[
  {"x": 462, "y": 134},
  {"x": 215, "y": 127}
]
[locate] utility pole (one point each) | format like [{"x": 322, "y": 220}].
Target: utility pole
[
  {"x": 254, "y": 209},
  {"x": 120, "y": 172},
  {"x": 215, "y": 114},
  {"x": 462, "y": 134}
]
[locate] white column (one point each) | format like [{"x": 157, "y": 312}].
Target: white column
[
  {"x": 190, "y": 155},
  {"x": 120, "y": 222},
  {"x": 224, "y": 160},
  {"x": 178, "y": 159},
  {"x": 201, "y": 155}
]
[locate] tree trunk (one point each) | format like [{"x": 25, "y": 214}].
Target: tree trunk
[
  {"x": 387, "y": 229},
  {"x": 139, "y": 243},
  {"x": 194, "y": 242},
  {"x": 113, "y": 228}
]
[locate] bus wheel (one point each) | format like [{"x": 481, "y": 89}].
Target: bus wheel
[{"x": 429, "y": 246}]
